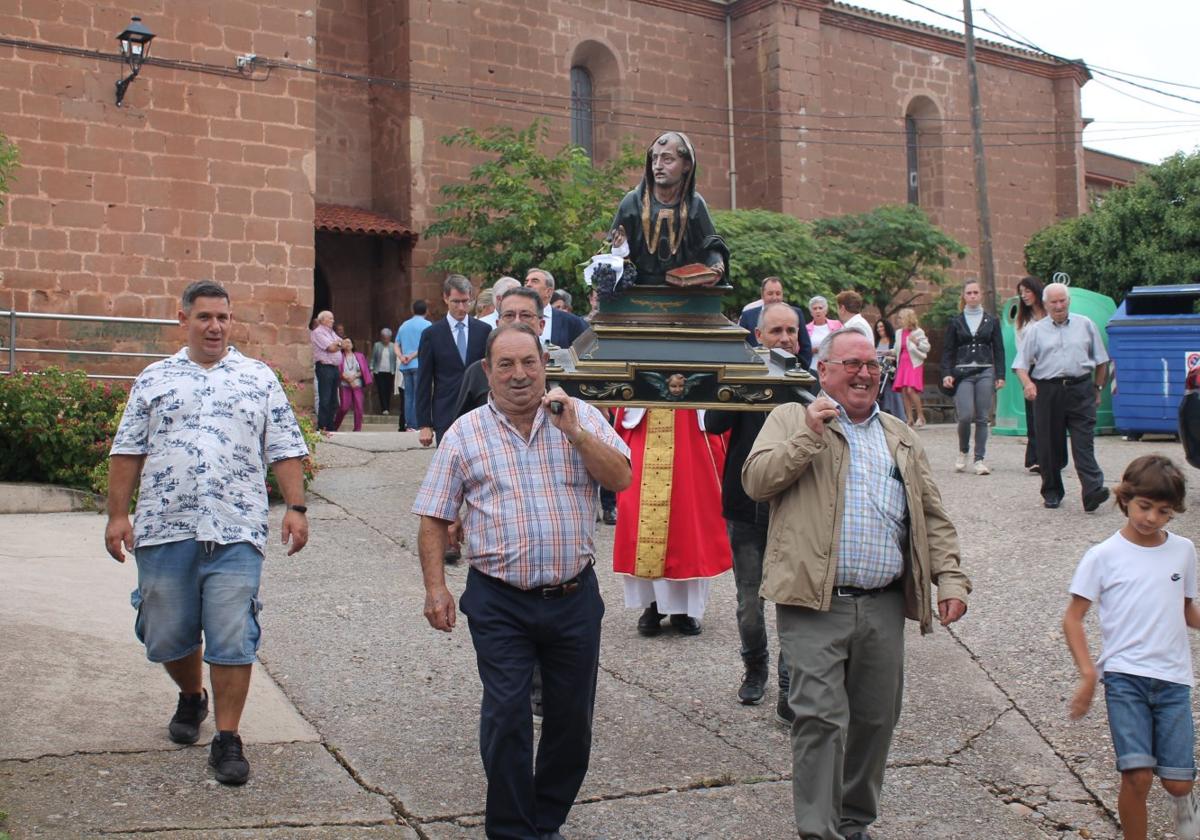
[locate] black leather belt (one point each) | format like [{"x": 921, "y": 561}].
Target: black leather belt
[
  {"x": 858, "y": 592},
  {"x": 1065, "y": 380},
  {"x": 557, "y": 590}
]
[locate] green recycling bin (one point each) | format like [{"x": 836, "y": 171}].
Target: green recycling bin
[{"x": 1010, "y": 402}]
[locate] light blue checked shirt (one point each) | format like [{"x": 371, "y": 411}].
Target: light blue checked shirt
[
  {"x": 873, "y": 525},
  {"x": 530, "y": 504}
]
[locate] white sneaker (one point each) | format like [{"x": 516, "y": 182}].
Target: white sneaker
[
  {"x": 960, "y": 463},
  {"x": 982, "y": 469},
  {"x": 1187, "y": 815}
]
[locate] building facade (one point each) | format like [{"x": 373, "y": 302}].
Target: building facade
[{"x": 305, "y": 179}]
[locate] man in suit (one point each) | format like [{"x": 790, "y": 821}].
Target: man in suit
[
  {"x": 771, "y": 291},
  {"x": 445, "y": 351},
  {"x": 562, "y": 328}
]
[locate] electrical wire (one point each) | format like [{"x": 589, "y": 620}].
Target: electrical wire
[{"x": 544, "y": 106}]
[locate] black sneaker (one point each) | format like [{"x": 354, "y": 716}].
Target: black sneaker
[
  {"x": 783, "y": 712},
  {"x": 227, "y": 759},
  {"x": 185, "y": 725},
  {"x": 754, "y": 685}
]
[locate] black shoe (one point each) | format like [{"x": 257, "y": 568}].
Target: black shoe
[
  {"x": 452, "y": 556},
  {"x": 858, "y": 835},
  {"x": 1094, "y": 499},
  {"x": 185, "y": 725},
  {"x": 226, "y": 758},
  {"x": 686, "y": 625},
  {"x": 783, "y": 712},
  {"x": 610, "y": 516},
  {"x": 1051, "y": 503},
  {"x": 648, "y": 623},
  {"x": 550, "y": 835},
  {"x": 754, "y": 684}
]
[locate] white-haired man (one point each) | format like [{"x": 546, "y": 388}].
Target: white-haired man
[{"x": 1066, "y": 356}]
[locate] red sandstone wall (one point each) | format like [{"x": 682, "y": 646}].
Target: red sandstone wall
[
  {"x": 870, "y": 75},
  {"x": 662, "y": 66},
  {"x": 343, "y": 127},
  {"x": 198, "y": 176}
]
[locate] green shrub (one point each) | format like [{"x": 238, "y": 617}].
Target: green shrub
[{"x": 55, "y": 426}]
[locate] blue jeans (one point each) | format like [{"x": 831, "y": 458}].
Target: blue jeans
[
  {"x": 1151, "y": 725},
  {"x": 188, "y": 587},
  {"x": 410, "y": 397},
  {"x": 749, "y": 541}
]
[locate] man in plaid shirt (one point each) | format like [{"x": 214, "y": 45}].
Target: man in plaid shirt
[{"x": 527, "y": 466}]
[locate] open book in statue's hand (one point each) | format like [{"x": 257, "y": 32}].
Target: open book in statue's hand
[{"x": 694, "y": 274}]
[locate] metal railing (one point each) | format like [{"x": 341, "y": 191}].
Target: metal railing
[{"x": 14, "y": 317}]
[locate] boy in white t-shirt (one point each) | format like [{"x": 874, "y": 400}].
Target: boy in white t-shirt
[{"x": 1144, "y": 578}]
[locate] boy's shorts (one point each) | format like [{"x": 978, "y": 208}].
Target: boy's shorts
[
  {"x": 188, "y": 587},
  {"x": 1151, "y": 725}
]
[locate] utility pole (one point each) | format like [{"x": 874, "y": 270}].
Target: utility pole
[{"x": 987, "y": 266}]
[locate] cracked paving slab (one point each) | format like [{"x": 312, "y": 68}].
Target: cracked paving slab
[
  {"x": 86, "y": 795},
  {"x": 74, "y": 600}
]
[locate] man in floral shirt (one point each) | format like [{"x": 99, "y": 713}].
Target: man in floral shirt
[{"x": 197, "y": 435}]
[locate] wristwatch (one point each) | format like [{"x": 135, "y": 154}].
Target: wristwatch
[
  {"x": 298, "y": 508},
  {"x": 1098, "y": 387}
]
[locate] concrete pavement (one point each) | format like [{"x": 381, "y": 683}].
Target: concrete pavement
[{"x": 363, "y": 721}]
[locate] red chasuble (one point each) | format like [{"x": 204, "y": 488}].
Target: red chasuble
[{"x": 669, "y": 522}]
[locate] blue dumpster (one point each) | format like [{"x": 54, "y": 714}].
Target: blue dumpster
[{"x": 1150, "y": 338}]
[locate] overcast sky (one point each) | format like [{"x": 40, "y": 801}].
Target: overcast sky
[{"x": 1155, "y": 38}]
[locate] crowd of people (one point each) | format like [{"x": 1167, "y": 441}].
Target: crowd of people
[{"x": 831, "y": 512}]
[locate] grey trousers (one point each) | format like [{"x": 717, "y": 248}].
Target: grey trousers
[
  {"x": 973, "y": 405},
  {"x": 847, "y": 675},
  {"x": 749, "y": 542}
]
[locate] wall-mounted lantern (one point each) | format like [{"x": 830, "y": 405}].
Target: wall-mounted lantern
[{"x": 135, "y": 47}]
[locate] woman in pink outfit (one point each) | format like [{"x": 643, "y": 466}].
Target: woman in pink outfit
[
  {"x": 355, "y": 376},
  {"x": 912, "y": 347}
]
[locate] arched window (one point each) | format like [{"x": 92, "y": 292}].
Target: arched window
[
  {"x": 581, "y": 109},
  {"x": 924, "y": 164},
  {"x": 914, "y": 177}
]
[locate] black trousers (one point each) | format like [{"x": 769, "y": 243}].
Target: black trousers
[
  {"x": 384, "y": 383},
  {"x": 1064, "y": 406},
  {"x": 512, "y": 630},
  {"x": 327, "y": 395},
  {"x": 1030, "y": 435}
]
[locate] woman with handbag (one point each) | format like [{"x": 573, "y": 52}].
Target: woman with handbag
[
  {"x": 913, "y": 347},
  {"x": 973, "y": 364}
]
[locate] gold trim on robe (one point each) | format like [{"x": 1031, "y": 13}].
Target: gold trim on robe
[{"x": 655, "y": 509}]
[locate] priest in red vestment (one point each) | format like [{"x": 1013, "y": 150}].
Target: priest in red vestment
[{"x": 670, "y": 540}]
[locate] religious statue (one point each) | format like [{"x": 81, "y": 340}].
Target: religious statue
[{"x": 665, "y": 222}]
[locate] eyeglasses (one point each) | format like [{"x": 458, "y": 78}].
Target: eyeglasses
[
  {"x": 853, "y": 366},
  {"x": 511, "y": 316}
]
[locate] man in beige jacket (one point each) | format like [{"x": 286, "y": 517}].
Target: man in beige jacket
[{"x": 857, "y": 536}]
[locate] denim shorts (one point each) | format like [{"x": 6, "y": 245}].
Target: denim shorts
[
  {"x": 1151, "y": 725},
  {"x": 188, "y": 587}
]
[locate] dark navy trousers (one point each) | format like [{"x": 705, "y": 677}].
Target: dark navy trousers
[{"x": 511, "y": 630}]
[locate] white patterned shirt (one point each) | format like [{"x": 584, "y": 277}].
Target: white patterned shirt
[
  {"x": 208, "y": 435},
  {"x": 873, "y": 525}
]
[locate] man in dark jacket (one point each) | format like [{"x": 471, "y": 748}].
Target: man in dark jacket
[{"x": 746, "y": 520}]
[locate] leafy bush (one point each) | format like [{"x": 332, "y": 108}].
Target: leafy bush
[{"x": 56, "y": 426}]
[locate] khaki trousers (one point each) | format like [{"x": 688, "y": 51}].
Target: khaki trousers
[{"x": 847, "y": 680}]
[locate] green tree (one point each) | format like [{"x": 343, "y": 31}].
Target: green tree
[
  {"x": 763, "y": 243},
  {"x": 883, "y": 253},
  {"x": 1145, "y": 234},
  {"x": 520, "y": 208},
  {"x": 9, "y": 161}
]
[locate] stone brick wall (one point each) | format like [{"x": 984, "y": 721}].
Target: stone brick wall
[
  {"x": 114, "y": 210},
  {"x": 658, "y": 67}
]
